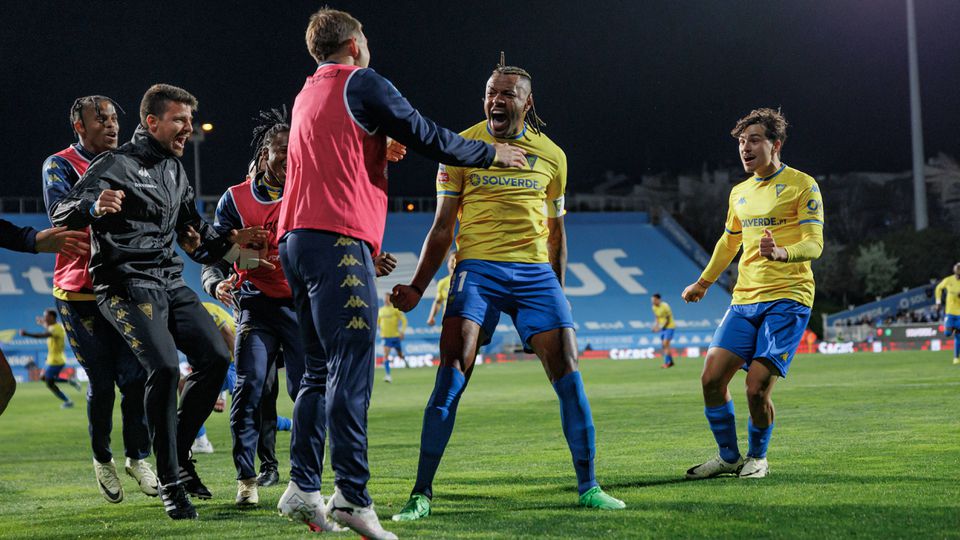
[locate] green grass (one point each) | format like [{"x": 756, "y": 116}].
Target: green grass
[{"x": 866, "y": 445}]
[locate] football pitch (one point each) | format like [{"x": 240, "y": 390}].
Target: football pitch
[{"x": 865, "y": 445}]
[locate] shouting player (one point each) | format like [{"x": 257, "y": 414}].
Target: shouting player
[
  {"x": 523, "y": 278},
  {"x": 777, "y": 217}
]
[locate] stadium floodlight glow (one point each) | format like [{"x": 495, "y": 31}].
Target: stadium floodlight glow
[
  {"x": 206, "y": 126},
  {"x": 410, "y": 207}
]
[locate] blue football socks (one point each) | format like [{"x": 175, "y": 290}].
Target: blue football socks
[
  {"x": 386, "y": 365},
  {"x": 759, "y": 440},
  {"x": 956, "y": 345},
  {"x": 578, "y": 428},
  {"x": 723, "y": 424},
  {"x": 438, "y": 420}
]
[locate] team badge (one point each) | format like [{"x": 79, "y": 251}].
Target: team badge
[
  {"x": 532, "y": 160},
  {"x": 780, "y": 188},
  {"x": 147, "y": 309},
  {"x": 87, "y": 323}
]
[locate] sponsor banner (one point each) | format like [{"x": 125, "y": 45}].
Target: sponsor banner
[
  {"x": 916, "y": 298},
  {"x": 835, "y": 348},
  {"x": 909, "y": 332}
]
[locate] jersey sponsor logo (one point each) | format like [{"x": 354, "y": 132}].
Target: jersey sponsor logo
[
  {"x": 141, "y": 185},
  {"x": 477, "y": 180},
  {"x": 442, "y": 176},
  {"x": 780, "y": 188},
  {"x": 762, "y": 222},
  {"x": 357, "y": 323},
  {"x": 813, "y": 206}
]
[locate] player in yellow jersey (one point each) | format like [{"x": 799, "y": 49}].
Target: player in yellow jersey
[
  {"x": 443, "y": 288},
  {"x": 949, "y": 287},
  {"x": 777, "y": 217},
  {"x": 393, "y": 324},
  {"x": 511, "y": 258},
  {"x": 228, "y": 331},
  {"x": 56, "y": 359},
  {"x": 665, "y": 325}
]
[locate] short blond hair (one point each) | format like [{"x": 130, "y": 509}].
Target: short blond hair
[{"x": 327, "y": 30}]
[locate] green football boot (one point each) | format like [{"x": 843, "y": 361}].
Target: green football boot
[
  {"x": 596, "y": 498},
  {"x": 416, "y": 508}
]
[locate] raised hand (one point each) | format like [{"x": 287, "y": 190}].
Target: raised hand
[
  {"x": 250, "y": 235},
  {"x": 384, "y": 263},
  {"x": 225, "y": 290},
  {"x": 63, "y": 240},
  {"x": 509, "y": 156},
  {"x": 109, "y": 202}
]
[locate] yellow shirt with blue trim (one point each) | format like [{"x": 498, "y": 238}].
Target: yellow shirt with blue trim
[
  {"x": 392, "y": 322},
  {"x": 788, "y": 204},
  {"x": 664, "y": 315},
  {"x": 220, "y": 316},
  {"x": 443, "y": 289},
  {"x": 56, "y": 345},
  {"x": 503, "y": 211},
  {"x": 951, "y": 285}
]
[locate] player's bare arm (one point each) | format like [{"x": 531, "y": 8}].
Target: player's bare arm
[
  {"x": 557, "y": 247},
  {"x": 435, "y": 246}
]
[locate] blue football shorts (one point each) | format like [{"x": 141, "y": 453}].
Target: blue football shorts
[
  {"x": 951, "y": 324},
  {"x": 770, "y": 330},
  {"x": 529, "y": 293},
  {"x": 393, "y": 343},
  {"x": 666, "y": 333}
]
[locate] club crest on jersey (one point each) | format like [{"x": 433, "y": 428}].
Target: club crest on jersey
[
  {"x": 532, "y": 160},
  {"x": 780, "y": 188}
]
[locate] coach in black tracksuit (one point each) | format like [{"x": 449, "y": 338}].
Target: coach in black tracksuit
[{"x": 139, "y": 203}]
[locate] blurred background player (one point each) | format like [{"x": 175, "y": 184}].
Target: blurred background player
[
  {"x": 523, "y": 278},
  {"x": 29, "y": 240},
  {"x": 228, "y": 331},
  {"x": 55, "y": 335},
  {"x": 331, "y": 227},
  {"x": 664, "y": 324},
  {"x": 777, "y": 216},
  {"x": 393, "y": 324},
  {"x": 950, "y": 287},
  {"x": 98, "y": 347},
  {"x": 439, "y": 305}
]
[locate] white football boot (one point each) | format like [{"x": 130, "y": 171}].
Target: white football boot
[
  {"x": 754, "y": 468},
  {"x": 362, "y": 519},
  {"x": 298, "y": 505},
  {"x": 140, "y": 470},
  {"x": 714, "y": 467},
  {"x": 247, "y": 493},
  {"x": 108, "y": 481}
]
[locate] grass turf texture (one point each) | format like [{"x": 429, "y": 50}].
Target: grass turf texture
[{"x": 866, "y": 445}]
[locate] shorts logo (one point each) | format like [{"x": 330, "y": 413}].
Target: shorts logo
[
  {"x": 67, "y": 326},
  {"x": 348, "y": 260},
  {"x": 357, "y": 323},
  {"x": 780, "y": 188},
  {"x": 355, "y": 302},
  {"x": 147, "y": 309},
  {"x": 127, "y": 328},
  {"x": 135, "y": 344},
  {"x": 351, "y": 281},
  {"x": 74, "y": 344},
  {"x": 64, "y": 311},
  {"x": 121, "y": 313},
  {"x": 87, "y": 324},
  {"x": 114, "y": 300},
  {"x": 345, "y": 241},
  {"x": 784, "y": 356}
]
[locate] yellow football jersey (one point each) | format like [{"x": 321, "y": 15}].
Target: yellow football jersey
[
  {"x": 443, "y": 289},
  {"x": 55, "y": 345},
  {"x": 664, "y": 315},
  {"x": 220, "y": 316},
  {"x": 392, "y": 322},
  {"x": 952, "y": 285},
  {"x": 788, "y": 204},
  {"x": 503, "y": 212}
]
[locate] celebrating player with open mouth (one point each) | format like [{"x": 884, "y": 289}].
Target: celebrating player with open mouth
[
  {"x": 777, "y": 216},
  {"x": 522, "y": 277}
]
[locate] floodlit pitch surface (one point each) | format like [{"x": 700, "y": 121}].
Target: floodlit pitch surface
[{"x": 866, "y": 445}]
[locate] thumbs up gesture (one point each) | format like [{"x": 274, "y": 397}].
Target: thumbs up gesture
[{"x": 769, "y": 248}]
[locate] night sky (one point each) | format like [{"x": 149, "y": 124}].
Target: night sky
[{"x": 631, "y": 87}]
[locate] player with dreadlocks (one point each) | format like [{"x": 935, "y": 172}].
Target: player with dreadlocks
[
  {"x": 98, "y": 347},
  {"x": 523, "y": 278}
]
